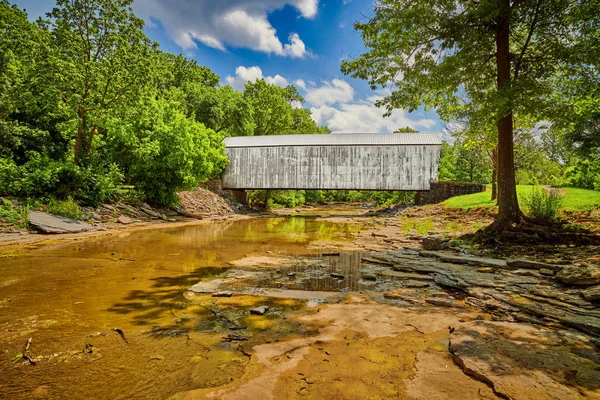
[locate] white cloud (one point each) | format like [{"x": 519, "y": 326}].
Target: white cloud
[
  {"x": 334, "y": 106},
  {"x": 300, "y": 83},
  {"x": 222, "y": 23},
  {"x": 363, "y": 117},
  {"x": 252, "y": 74},
  {"x": 336, "y": 91},
  {"x": 277, "y": 80}
]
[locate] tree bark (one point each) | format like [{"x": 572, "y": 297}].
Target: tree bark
[
  {"x": 79, "y": 137},
  {"x": 495, "y": 174},
  {"x": 508, "y": 203}
]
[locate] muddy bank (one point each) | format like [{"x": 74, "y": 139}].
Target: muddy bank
[{"x": 200, "y": 204}]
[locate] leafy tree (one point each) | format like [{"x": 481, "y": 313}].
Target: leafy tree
[
  {"x": 176, "y": 71},
  {"x": 431, "y": 51},
  {"x": 222, "y": 109},
  {"x": 447, "y": 163},
  {"x": 406, "y": 129},
  {"x": 272, "y": 105},
  {"x": 18, "y": 43},
  {"x": 161, "y": 150},
  {"x": 303, "y": 123},
  {"x": 584, "y": 136},
  {"x": 99, "y": 57}
]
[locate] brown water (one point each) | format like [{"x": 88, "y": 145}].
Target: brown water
[{"x": 67, "y": 297}]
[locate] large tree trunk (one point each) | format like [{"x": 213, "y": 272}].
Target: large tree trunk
[{"x": 508, "y": 204}]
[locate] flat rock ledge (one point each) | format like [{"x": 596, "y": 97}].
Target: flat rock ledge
[
  {"x": 50, "y": 223},
  {"x": 496, "y": 286}
]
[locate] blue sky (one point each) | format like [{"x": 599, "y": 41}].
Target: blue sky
[{"x": 300, "y": 42}]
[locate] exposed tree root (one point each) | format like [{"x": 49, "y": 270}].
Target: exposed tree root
[{"x": 524, "y": 230}]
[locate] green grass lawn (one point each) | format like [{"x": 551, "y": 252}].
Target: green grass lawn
[{"x": 574, "y": 199}]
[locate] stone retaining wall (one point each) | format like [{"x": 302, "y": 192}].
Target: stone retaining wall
[{"x": 441, "y": 191}]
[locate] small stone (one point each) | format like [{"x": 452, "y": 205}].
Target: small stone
[
  {"x": 259, "y": 310},
  {"x": 222, "y": 294},
  {"x": 440, "y": 302},
  {"x": 547, "y": 272},
  {"x": 124, "y": 219},
  {"x": 394, "y": 295},
  {"x": 582, "y": 275},
  {"x": 486, "y": 270},
  {"x": 525, "y": 272},
  {"x": 291, "y": 274},
  {"x": 416, "y": 284},
  {"x": 369, "y": 277},
  {"x": 434, "y": 243},
  {"x": 592, "y": 294},
  {"x": 336, "y": 275}
]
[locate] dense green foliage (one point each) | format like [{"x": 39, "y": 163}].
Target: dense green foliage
[
  {"x": 294, "y": 198},
  {"x": 463, "y": 162},
  {"x": 90, "y": 109}
]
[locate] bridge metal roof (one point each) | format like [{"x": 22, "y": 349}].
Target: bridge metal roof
[{"x": 336, "y": 139}]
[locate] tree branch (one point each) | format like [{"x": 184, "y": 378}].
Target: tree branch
[{"x": 534, "y": 21}]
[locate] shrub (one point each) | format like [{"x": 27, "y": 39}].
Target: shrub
[
  {"x": 13, "y": 215},
  {"x": 66, "y": 208},
  {"x": 584, "y": 173},
  {"x": 543, "y": 204}
]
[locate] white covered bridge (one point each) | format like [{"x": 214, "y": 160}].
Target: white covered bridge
[{"x": 360, "y": 161}]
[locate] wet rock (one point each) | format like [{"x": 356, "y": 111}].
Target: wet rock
[
  {"x": 416, "y": 284},
  {"x": 585, "y": 320},
  {"x": 434, "y": 243},
  {"x": 405, "y": 275},
  {"x": 526, "y": 272},
  {"x": 582, "y": 275},
  {"x": 439, "y": 301},
  {"x": 592, "y": 294},
  {"x": 369, "y": 277},
  {"x": 259, "y": 310},
  {"x": 50, "y": 223},
  {"x": 546, "y": 272},
  {"x": 469, "y": 260},
  {"x": 528, "y": 264},
  {"x": 124, "y": 219},
  {"x": 207, "y": 286},
  {"x": 222, "y": 294}
]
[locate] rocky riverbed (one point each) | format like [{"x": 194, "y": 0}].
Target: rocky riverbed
[{"x": 525, "y": 329}]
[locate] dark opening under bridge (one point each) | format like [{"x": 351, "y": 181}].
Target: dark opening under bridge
[{"x": 359, "y": 161}]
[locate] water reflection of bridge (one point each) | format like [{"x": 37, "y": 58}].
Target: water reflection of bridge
[{"x": 324, "y": 276}]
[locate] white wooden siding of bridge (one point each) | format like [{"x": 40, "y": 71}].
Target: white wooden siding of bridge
[{"x": 334, "y": 161}]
